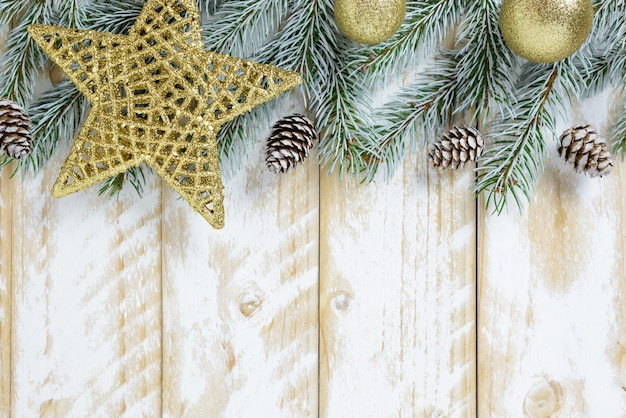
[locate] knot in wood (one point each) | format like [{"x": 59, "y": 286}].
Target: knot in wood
[
  {"x": 543, "y": 400},
  {"x": 250, "y": 302},
  {"x": 341, "y": 301},
  {"x": 437, "y": 414}
]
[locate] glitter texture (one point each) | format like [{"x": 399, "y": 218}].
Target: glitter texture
[
  {"x": 157, "y": 97},
  {"x": 545, "y": 30},
  {"x": 369, "y": 21}
]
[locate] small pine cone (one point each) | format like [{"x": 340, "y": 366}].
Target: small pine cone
[
  {"x": 289, "y": 142},
  {"x": 15, "y": 137},
  {"x": 456, "y": 147},
  {"x": 587, "y": 151}
]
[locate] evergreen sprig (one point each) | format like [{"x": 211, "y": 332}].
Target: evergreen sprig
[
  {"x": 420, "y": 110},
  {"x": 240, "y": 28},
  {"x": 208, "y": 7},
  {"x": 605, "y": 51},
  {"x": 115, "y": 16},
  {"x": 56, "y": 114},
  {"x": 14, "y": 9},
  {"x": 22, "y": 61},
  {"x": 512, "y": 165},
  {"x": 426, "y": 24},
  {"x": 310, "y": 43},
  {"x": 618, "y": 132},
  {"x": 469, "y": 73},
  {"x": 485, "y": 64}
]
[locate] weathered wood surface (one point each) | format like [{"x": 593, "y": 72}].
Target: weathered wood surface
[
  {"x": 240, "y": 305},
  {"x": 91, "y": 333},
  {"x": 397, "y": 296},
  {"x": 6, "y": 267},
  {"x": 137, "y": 307},
  {"x": 552, "y": 301},
  {"x": 86, "y": 291}
]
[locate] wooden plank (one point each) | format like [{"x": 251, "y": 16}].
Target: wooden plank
[
  {"x": 397, "y": 292},
  {"x": 5, "y": 292},
  {"x": 5, "y": 278},
  {"x": 240, "y": 304},
  {"x": 552, "y": 312},
  {"x": 87, "y": 301}
]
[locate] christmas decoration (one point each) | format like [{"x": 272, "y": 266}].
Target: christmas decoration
[
  {"x": 546, "y": 30},
  {"x": 289, "y": 142},
  {"x": 476, "y": 76},
  {"x": 157, "y": 97},
  {"x": 369, "y": 21},
  {"x": 457, "y": 147},
  {"x": 15, "y": 136},
  {"x": 587, "y": 151}
]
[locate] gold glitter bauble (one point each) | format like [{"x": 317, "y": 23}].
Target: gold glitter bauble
[
  {"x": 156, "y": 97},
  {"x": 369, "y": 21},
  {"x": 545, "y": 30}
]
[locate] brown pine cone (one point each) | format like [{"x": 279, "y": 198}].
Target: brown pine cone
[
  {"x": 456, "y": 148},
  {"x": 289, "y": 142},
  {"x": 15, "y": 136},
  {"x": 587, "y": 151}
]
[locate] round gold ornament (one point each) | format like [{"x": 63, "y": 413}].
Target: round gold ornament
[
  {"x": 369, "y": 21},
  {"x": 545, "y": 30}
]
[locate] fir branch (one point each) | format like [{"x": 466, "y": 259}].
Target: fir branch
[
  {"x": 422, "y": 109},
  {"x": 603, "y": 57},
  {"x": 618, "y": 131},
  {"x": 115, "y": 16},
  {"x": 240, "y": 28},
  {"x": 336, "y": 95},
  {"x": 23, "y": 59},
  {"x": 426, "y": 24},
  {"x": 485, "y": 63},
  {"x": 56, "y": 114},
  {"x": 302, "y": 45},
  {"x": 113, "y": 186},
  {"x": 236, "y": 135},
  {"x": 71, "y": 13},
  {"x": 346, "y": 134},
  {"x": 309, "y": 43},
  {"x": 513, "y": 164},
  {"x": 208, "y": 7},
  {"x": 11, "y": 9}
]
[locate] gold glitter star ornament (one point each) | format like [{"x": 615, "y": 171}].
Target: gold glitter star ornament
[{"x": 157, "y": 97}]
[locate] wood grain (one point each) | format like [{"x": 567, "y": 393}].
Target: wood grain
[
  {"x": 552, "y": 314},
  {"x": 5, "y": 276},
  {"x": 240, "y": 304},
  {"x": 397, "y": 295},
  {"x": 6, "y": 267},
  {"x": 86, "y": 285}
]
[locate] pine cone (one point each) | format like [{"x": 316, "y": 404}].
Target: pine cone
[
  {"x": 456, "y": 147},
  {"x": 289, "y": 142},
  {"x": 15, "y": 137},
  {"x": 587, "y": 151}
]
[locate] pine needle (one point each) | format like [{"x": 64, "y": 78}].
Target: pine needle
[
  {"x": 56, "y": 114},
  {"x": 512, "y": 165},
  {"x": 240, "y": 28},
  {"x": 422, "y": 109},
  {"x": 23, "y": 60},
  {"x": 485, "y": 64},
  {"x": 426, "y": 24}
]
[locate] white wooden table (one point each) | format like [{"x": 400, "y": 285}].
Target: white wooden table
[{"x": 320, "y": 297}]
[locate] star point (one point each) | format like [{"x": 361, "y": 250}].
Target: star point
[{"x": 157, "y": 97}]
